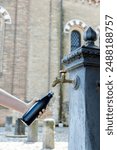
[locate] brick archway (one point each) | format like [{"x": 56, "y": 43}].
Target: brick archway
[
  {"x": 5, "y": 15},
  {"x": 75, "y": 22}
]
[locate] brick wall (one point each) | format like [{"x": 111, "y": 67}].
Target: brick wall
[
  {"x": 31, "y": 58},
  {"x": 13, "y": 77}
]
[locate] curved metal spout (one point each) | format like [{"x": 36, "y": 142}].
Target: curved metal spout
[
  {"x": 56, "y": 81},
  {"x": 62, "y": 79}
]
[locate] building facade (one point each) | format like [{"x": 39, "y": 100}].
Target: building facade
[{"x": 32, "y": 46}]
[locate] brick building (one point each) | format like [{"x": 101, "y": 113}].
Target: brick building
[{"x": 32, "y": 46}]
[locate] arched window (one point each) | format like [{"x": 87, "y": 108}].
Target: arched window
[{"x": 75, "y": 40}]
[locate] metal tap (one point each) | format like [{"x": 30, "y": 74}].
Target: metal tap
[{"x": 62, "y": 79}]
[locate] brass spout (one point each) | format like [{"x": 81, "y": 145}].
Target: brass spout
[
  {"x": 62, "y": 79},
  {"x": 56, "y": 81}
]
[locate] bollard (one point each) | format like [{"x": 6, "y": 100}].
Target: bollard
[
  {"x": 19, "y": 127},
  {"x": 48, "y": 134},
  {"x": 19, "y": 130},
  {"x": 8, "y": 123},
  {"x": 33, "y": 132}
]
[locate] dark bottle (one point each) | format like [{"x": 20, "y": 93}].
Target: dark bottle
[{"x": 33, "y": 112}]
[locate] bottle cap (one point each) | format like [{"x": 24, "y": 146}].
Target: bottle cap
[{"x": 52, "y": 93}]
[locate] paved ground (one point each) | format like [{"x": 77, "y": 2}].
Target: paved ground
[
  {"x": 13, "y": 143},
  {"x": 29, "y": 146}
]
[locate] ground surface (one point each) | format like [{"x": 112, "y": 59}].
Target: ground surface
[{"x": 13, "y": 143}]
